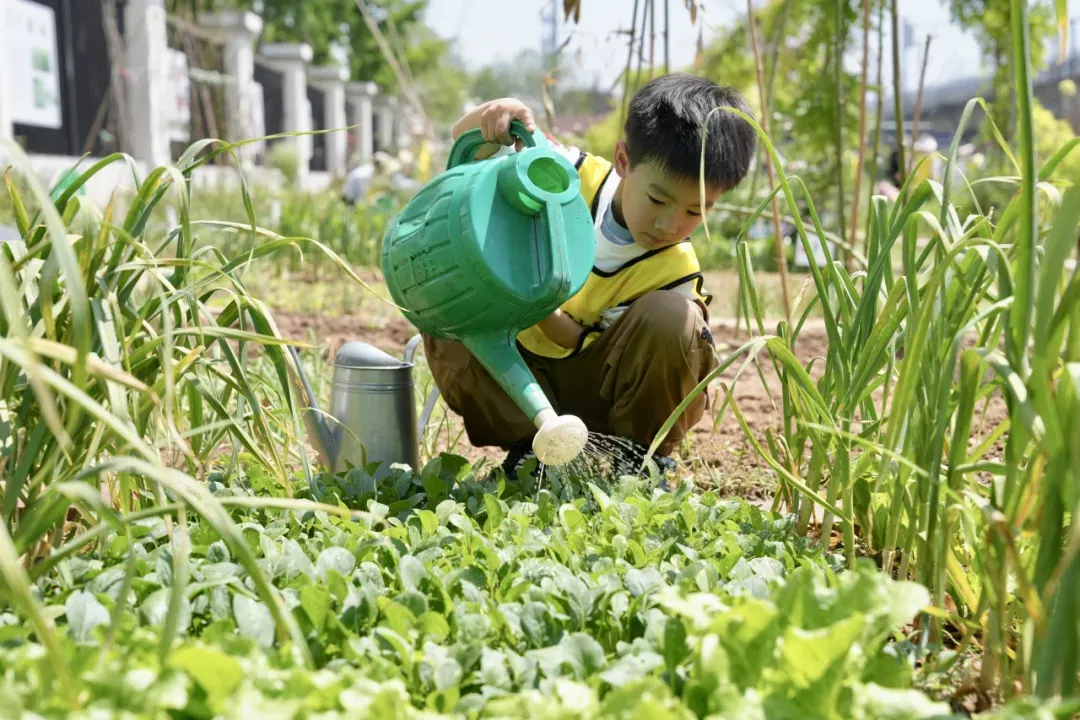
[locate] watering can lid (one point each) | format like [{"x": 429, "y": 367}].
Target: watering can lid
[{"x": 358, "y": 354}]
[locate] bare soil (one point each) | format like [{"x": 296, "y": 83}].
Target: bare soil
[{"x": 717, "y": 452}]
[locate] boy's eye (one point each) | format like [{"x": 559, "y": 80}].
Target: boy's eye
[
  {"x": 655, "y": 201},
  {"x": 691, "y": 213}
]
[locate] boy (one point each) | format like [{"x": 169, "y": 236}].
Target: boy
[{"x": 624, "y": 352}]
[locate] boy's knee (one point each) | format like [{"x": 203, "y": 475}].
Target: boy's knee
[{"x": 671, "y": 319}]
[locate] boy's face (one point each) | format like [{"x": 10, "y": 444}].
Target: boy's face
[{"x": 659, "y": 209}]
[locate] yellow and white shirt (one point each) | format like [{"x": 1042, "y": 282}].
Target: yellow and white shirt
[{"x": 622, "y": 271}]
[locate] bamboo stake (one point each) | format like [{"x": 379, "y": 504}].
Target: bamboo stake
[
  {"x": 838, "y": 71},
  {"x": 781, "y": 261},
  {"x": 918, "y": 103},
  {"x": 774, "y": 62},
  {"x": 875, "y": 153},
  {"x": 898, "y": 91},
  {"x": 629, "y": 63},
  {"x": 862, "y": 126},
  {"x": 652, "y": 37},
  {"x": 641, "y": 41},
  {"x": 388, "y": 54},
  {"x": 115, "y": 44},
  {"x": 667, "y": 39}
]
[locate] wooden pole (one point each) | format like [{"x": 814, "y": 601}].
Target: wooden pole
[
  {"x": 641, "y": 40},
  {"x": 898, "y": 90},
  {"x": 918, "y": 104},
  {"x": 781, "y": 258},
  {"x": 388, "y": 54},
  {"x": 629, "y": 63},
  {"x": 652, "y": 37},
  {"x": 115, "y": 43},
  {"x": 770, "y": 83},
  {"x": 862, "y": 126},
  {"x": 880, "y": 113},
  {"x": 667, "y": 39},
  {"x": 838, "y": 75}
]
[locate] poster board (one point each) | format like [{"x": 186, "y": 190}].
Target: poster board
[{"x": 32, "y": 64}]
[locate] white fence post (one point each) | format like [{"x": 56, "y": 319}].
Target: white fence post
[
  {"x": 331, "y": 80},
  {"x": 148, "y": 81},
  {"x": 361, "y": 94},
  {"x": 291, "y": 59},
  {"x": 238, "y": 32},
  {"x": 387, "y": 107},
  {"x": 7, "y": 124}
]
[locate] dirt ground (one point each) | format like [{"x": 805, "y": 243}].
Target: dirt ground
[{"x": 718, "y": 454}]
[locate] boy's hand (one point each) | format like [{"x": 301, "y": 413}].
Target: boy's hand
[
  {"x": 493, "y": 119},
  {"x": 496, "y": 117}
]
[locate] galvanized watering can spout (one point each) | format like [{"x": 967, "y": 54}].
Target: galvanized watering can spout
[{"x": 319, "y": 432}]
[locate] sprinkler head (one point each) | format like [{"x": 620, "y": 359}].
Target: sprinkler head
[{"x": 561, "y": 438}]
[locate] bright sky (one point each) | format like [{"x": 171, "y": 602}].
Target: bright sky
[{"x": 489, "y": 30}]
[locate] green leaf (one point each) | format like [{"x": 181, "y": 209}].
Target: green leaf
[
  {"x": 412, "y": 571},
  {"x": 334, "y": 558},
  {"x": 428, "y": 521},
  {"x": 447, "y": 674},
  {"x": 84, "y": 613},
  {"x": 748, "y": 633},
  {"x": 156, "y": 606},
  {"x": 571, "y": 518},
  {"x": 675, "y": 647},
  {"x": 647, "y": 698},
  {"x": 218, "y": 552},
  {"x": 811, "y": 663},
  {"x": 495, "y": 514},
  {"x": 629, "y": 668},
  {"x": 220, "y": 607},
  {"x": 639, "y": 582},
  {"x": 253, "y": 620},
  {"x": 873, "y": 702},
  {"x": 217, "y": 673},
  {"x": 539, "y": 627},
  {"x": 434, "y": 625},
  {"x": 315, "y": 600},
  {"x": 585, "y": 653},
  {"x": 396, "y": 616}
]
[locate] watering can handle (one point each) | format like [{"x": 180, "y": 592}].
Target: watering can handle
[
  {"x": 558, "y": 281},
  {"x": 465, "y": 147}
]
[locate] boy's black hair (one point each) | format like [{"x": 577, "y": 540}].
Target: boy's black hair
[{"x": 665, "y": 121}]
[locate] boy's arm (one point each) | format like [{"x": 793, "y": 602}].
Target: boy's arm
[{"x": 562, "y": 329}]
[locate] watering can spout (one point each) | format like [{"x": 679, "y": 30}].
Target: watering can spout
[
  {"x": 317, "y": 426},
  {"x": 559, "y": 438}
]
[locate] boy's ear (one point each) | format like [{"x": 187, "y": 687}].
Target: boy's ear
[{"x": 622, "y": 158}]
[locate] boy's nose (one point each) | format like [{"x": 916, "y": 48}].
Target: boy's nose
[{"x": 664, "y": 225}]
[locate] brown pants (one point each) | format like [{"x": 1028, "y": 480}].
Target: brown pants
[{"x": 627, "y": 383}]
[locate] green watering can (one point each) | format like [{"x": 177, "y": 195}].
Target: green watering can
[{"x": 489, "y": 248}]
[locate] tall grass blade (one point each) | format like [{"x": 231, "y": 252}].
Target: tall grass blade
[{"x": 1024, "y": 288}]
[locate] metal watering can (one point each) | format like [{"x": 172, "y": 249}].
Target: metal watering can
[
  {"x": 489, "y": 248},
  {"x": 372, "y": 409}
]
